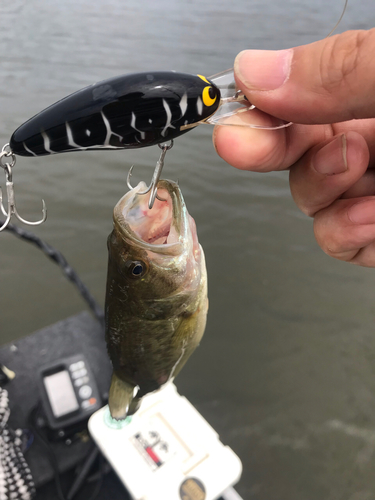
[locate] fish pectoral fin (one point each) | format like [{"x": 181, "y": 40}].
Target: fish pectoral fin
[
  {"x": 134, "y": 406},
  {"x": 120, "y": 398}
]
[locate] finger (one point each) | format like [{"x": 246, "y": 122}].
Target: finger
[
  {"x": 327, "y": 171},
  {"x": 324, "y": 82},
  {"x": 267, "y": 150},
  {"x": 365, "y": 186},
  {"x": 364, "y": 127},
  {"x": 346, "y": 230}
]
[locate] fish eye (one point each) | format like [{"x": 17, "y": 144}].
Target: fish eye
[
  {"x": 135, "y": 268},
  {"x": 208, "y": 96}
]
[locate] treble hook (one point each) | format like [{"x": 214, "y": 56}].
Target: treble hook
[
  {"x": 12, "y": 209},
  {"x": 153, "y": 187}
]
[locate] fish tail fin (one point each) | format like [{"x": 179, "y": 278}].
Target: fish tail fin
[{"x": 120, "y": 398}]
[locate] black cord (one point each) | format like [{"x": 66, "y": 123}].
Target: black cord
[
  {"x": 59, "y": 259},
  {"x": 100, "y": 479},
  {"x": 38, "y": 433},
  {"x": 81, "y": 477}
]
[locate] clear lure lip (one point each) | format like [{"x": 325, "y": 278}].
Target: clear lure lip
[{"x": 236, "y": 110}]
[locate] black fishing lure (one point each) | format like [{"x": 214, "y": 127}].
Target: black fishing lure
[{"x": 130, "y": 111}]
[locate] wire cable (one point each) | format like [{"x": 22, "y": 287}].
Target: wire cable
[{"x": 60, "y": 260}]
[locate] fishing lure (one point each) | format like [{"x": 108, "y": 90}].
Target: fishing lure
[{"x": 130, "y": 111}]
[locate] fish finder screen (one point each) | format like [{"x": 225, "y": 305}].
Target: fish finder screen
[{"x": 61, "y": 393}]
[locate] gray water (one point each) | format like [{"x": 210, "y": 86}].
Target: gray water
[{"x": 286, "y": 370}]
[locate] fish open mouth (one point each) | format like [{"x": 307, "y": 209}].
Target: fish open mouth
[
  {"x": 166, "y": 228},
  {"x": 153, "y": 226}
]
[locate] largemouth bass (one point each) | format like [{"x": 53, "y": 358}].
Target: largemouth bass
[{"x": 156, "y": 298}]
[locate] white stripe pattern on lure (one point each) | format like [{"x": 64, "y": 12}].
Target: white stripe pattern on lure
[
  {"x": 29, "y": 150},
  {"x": 106, "y": 144},
  {"x": 109, "y": 131},
  {"x": 169, "y": 118},
  {"x": 183, "y": 104},
  {"x": 69, "y": 134},
  {"x": 132, "y": 124},
  {"x": 199, "y": 106},
  {"x": 47, "y": 143}
]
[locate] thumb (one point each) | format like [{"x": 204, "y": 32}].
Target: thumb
[{"x": 324, "y": 82}]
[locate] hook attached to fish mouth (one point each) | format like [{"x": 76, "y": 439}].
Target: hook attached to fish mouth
[{"x": 153, "y": 187}]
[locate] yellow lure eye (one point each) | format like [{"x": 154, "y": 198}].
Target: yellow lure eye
[{"x": 207, "y": 100}]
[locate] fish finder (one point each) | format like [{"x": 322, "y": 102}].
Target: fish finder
[
  {"x": 167, "y": 450},
  {"x": 68, "y": 391}
]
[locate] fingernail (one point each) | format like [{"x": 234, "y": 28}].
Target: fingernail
[
  {"x": 263, "y": 69},
  {"x": 331, "y": 159},
  {"x": 363, "y": 212}
]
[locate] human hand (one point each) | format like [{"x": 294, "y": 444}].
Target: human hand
[{"x": 327, "y": 89}]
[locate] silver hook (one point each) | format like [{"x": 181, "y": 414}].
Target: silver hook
[
  {"x": 12, "y": 209},
  {"x": 153, "y": 187}
]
